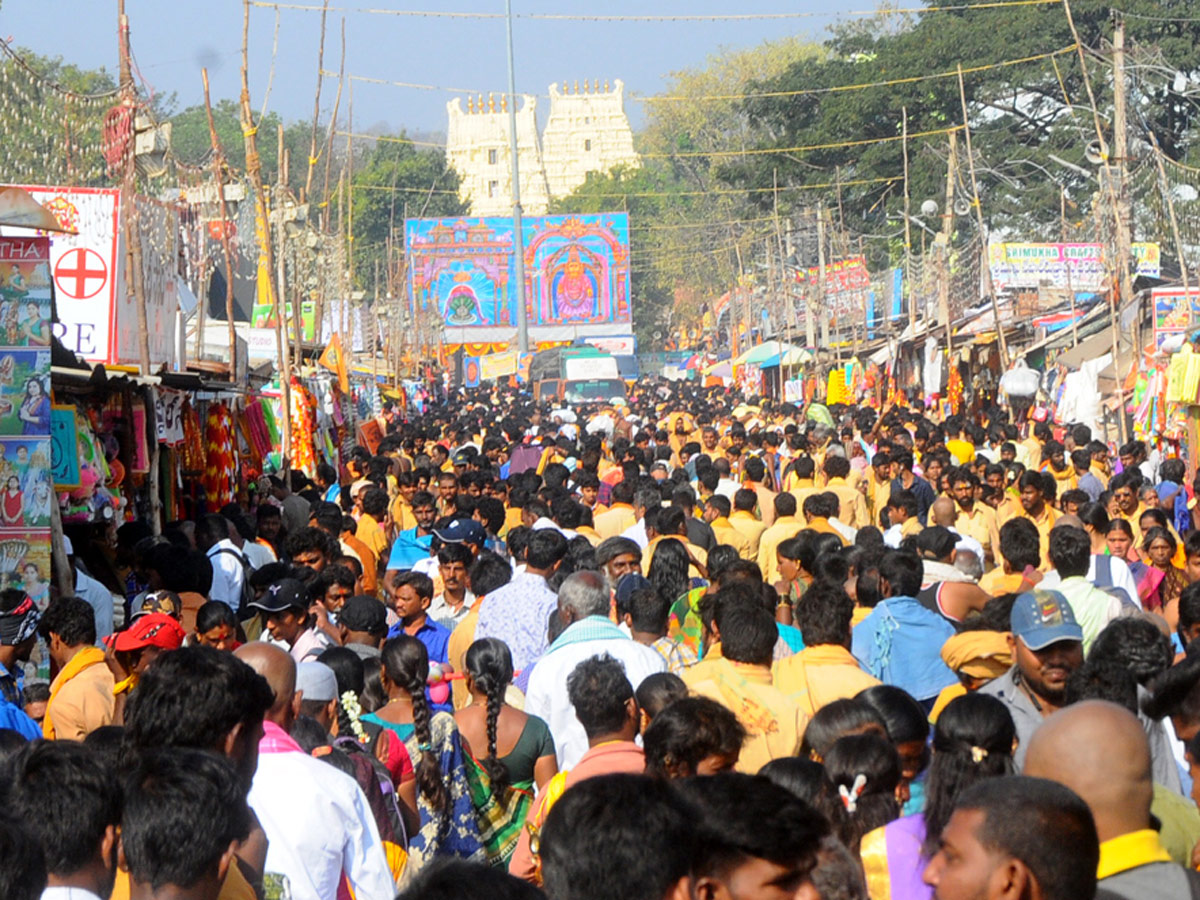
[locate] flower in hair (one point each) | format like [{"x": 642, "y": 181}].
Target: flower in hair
[
  {"x": 850, "y": 796},
  {"x": 978, "y": 755}
]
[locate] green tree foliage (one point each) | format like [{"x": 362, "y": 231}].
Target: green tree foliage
[
  {"x": 686, "y": 226},
  {"x": 1018, "y": 113},
  {"x": 393, "y": 181},
  {"x": 191, "y": 141},
  {"x": 51, "y": 136}
]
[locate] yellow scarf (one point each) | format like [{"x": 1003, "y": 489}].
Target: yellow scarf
[{"x": 90, "y": 656}]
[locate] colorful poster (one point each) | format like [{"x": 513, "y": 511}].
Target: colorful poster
[
  {"x": 25, "y": 563},
  {"x": 261, "y": 317},
  {"x": 24, "y": 292},
  {"x": 64, "y": 447},
  {"x": 24, "y": 391},
  {"x": 25, "y": 493},
  {"x": 576, "y": 275}
]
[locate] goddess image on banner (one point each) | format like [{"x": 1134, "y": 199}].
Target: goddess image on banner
[
  {"x": 25, "y": 490},
  {"x": 576, "y": 276}
]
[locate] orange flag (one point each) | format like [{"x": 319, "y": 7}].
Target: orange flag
[{"x": 334, "y": 359}]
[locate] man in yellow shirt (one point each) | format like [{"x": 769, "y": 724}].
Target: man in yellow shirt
[
  {"x": 743, "y": 519},
  {"x": 975, "y": 520},
  {"x": 741, "y": 680},
  {"x": 1020, "y": 555},
  {"x": 852, "y": 505},
  {"x": 372, "y": 525},
  {"x": 619, "y": 516},
  {"x": 1100, "y": 751},
  {"x": 824, "y": 670},
  {"x": 1035, "y": 508},
  {"x": 716, "y": 514},
  {"x": 879, "y": 486},
  {"x": 963, "y": 451},
  {"x": 787, "y": 525},
  {"x": 818, "y": 510}
]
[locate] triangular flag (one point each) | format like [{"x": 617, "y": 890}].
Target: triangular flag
[{"x": 334, "y": 359}]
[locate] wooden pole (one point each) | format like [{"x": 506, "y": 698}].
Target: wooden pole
[
  {"x": 1106, "y": 183},
  {"x": 912, "y": 308},
  {"x": 944, "y": 249},
  {"x": 337, "y": 100},
  {"x": 1169, "y": 200},
  {"x": 219, "y": 184},
  {"x": 987, "y": 271},
  {"x": 1062, "y": 213},
  {"x": 313, "y": 156},
  {"x": 283, "y": 354}
]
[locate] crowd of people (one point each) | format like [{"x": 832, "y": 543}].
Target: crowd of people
[{"x": 692, "y": 647}]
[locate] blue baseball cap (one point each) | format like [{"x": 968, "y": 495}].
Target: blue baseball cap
[
  {"x": 630, "y": 582},
  {"x": 462, "y": 531},
  {"x": 1042, "y": 618}
]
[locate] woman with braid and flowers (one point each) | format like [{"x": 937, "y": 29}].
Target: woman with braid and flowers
[
  {"x": 528, "y": 748},
  {"x": 449, "y": 822}
]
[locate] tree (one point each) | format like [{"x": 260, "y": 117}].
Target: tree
[
  {"x": 52, "y": 120},
  {"x": 1019, "y": 117},
  {"x": 395, "y": 181},
  {"x": 686, "y": 228}
]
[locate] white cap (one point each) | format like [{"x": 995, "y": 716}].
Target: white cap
[{"x": 316, "y": 681}]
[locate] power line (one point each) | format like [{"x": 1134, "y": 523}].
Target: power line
[
  {"x": 718, "y": 192},
  {"x": 751, "y": 151},
  {"x": 682, "y": 98},
  {"x": 711, "y": 18}
]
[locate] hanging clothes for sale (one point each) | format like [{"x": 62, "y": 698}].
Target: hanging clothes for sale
[
  {"x": 221, "y": 464},
  {"x": 303, "y": 455}
]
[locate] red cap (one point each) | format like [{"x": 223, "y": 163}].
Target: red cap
[{"x": 151, "y": 630}]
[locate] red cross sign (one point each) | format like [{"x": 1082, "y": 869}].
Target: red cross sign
[{"x": 80, "y": 273}]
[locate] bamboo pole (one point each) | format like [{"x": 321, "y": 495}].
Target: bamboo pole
[
  {"x": 912, "y": 309},
  {"x": 1062, "y": 213},
  {"x": 219, "y": 183},
  {"x": 313, "y": 156},
  {"x": 254, "y": 170},
  {"x": 987, "y": 271}
]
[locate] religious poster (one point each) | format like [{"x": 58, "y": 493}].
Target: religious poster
[
  {"x": 25, "y": 563},
  {"x": 25, "y": 391},
  {"x": 576, "y": 276},
  {"x": 24, "y": 292},
  {"x": 25, "y": 491}
]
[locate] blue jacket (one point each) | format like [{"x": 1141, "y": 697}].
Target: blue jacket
[{"x": 900, "y": 643}]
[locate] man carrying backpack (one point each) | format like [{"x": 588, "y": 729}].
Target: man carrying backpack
[{"x": 229, "y": 565}]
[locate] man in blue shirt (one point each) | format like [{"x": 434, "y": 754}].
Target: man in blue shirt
[
  {"x": 412, "y": 545},
  {"x": 908, "y": 480},
  {"x": 19, "y": 620},
  {"x": 900, "y": 642},
  {"x": 409, "y": 594}
]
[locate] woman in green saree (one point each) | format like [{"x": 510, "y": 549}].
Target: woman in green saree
[{"x": 520, "y": 750}]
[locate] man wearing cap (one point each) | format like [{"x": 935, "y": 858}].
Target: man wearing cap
[
  {"x": 461, "y": 542},
  {"x": 362, "y": 624},
  {"x": 317, "y": 686},
  {"x": 19, "y": 620},
  {"x": 1047, "y": 647},
  {"x": 134, "y": 649},
  {"x": 285, "y": 605}
]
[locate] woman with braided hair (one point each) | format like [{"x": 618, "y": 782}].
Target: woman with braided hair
[
  {"x": 449, "y": 822},
  {"x": 505, "y": 782}
]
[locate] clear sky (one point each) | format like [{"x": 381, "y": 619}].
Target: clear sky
[{"x": 172, "y": 39}]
